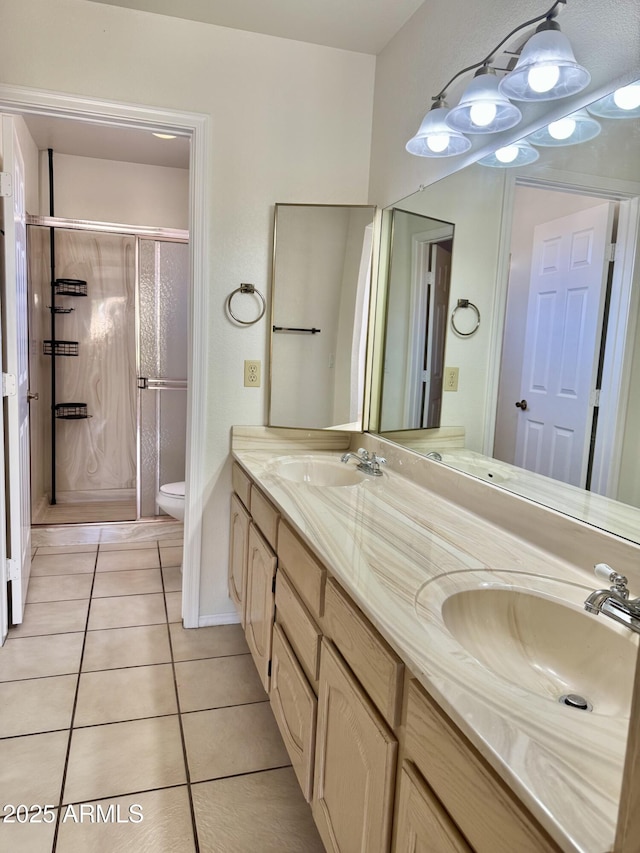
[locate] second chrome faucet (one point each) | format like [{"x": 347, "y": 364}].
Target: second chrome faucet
[{"x": 368, "y": 463}]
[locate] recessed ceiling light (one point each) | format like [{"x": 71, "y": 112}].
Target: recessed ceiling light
[{"x": 165, "y": 135}]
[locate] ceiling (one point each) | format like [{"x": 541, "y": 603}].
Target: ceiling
[
  {"x": 365, "y": 26},
  {"x": 70, "y": 136},
  {"x": 360, "y": 25}
]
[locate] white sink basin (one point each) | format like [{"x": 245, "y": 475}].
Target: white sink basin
[
  {"x": 316, "y": 471},
  {"x": 535, "y": 635}
]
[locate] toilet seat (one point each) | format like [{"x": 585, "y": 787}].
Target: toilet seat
[
  {"x": 174, "y": 490},
  {"x": 170, "y": 498}
]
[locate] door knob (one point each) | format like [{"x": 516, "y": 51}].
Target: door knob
[
  {"x": 521, "y": 404},
  {"x": 32, "y": 396}
]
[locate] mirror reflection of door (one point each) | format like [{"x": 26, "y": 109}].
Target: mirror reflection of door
[
  {"x": 555, "y": 335},
  {"x": 417, "y": 310}
]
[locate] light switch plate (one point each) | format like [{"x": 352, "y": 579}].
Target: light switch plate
[{"x": 252, "y": 374}]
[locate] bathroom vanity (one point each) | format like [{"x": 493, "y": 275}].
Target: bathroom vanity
[{"x": 365, "y": 606}]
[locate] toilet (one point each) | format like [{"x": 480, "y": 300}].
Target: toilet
[{"x": 170, "y": 498}]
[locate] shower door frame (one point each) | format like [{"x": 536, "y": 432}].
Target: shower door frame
[
  {"x": 139, "y": 232},
  {"x": 197, "y": 126}
]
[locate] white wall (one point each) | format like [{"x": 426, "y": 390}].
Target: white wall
[
  {"x": 113, "y": 191},
  {"x": 446, "y": 35},
  {"x": 290, "y": 122}
]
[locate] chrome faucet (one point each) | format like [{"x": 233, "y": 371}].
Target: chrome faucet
[
  {"x": 369, "y": 463},
  {"x": 614, "y": 602}
]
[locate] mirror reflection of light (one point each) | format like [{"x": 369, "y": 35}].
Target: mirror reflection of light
[
  {"x": 482, "y": 114},
  {"x": 102, "y": 324},
  {"x": 562, "y": 129},
  {"x": 628, "y": 97},
  {"x": 543, "y": 78},
  {"x": 437, "y": 142},
  {"x": 507, "y": 154}
]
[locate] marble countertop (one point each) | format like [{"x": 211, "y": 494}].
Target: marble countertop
[{"x": 386, "y": 539}]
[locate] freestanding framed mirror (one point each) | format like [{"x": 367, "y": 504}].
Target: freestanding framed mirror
[{"x": 322, "y": 262}]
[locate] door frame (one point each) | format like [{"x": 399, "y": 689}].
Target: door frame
[
  {"x": 21, "y": 100},
  {"x": 622, "y": 322},
  {"x": 419, "y": 296}
]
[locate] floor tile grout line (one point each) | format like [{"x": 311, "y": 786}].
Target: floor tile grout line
[
  {"x": 194, "y": 824},
  {"x": 73, "y": 714},
  {"x": 239, "y": 775}
]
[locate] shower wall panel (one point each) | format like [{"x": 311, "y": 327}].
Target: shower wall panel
[
  {"x": 39, "y": 366},
  {"x": 97, "y": 455}
]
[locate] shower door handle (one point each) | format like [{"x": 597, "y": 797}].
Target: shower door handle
[{"x": 146, "y": 383}]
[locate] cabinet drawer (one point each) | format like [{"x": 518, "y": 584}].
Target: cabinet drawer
[
  {"x": 375, "y": 665},
  {"x": 295, "y": 707},
  {"x": 488, "y": 814},
  {"x": 241, "y": 484},
  {"x": 301, "y": 631},
  {"x": 422, "y": 823},
  {"x": 305, "y": 572},
  {"x": 265, "y": 515}
]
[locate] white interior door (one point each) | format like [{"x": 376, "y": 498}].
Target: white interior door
[
  {"x": 16, "y": 339},
  {"x": 564, "y": 326}
]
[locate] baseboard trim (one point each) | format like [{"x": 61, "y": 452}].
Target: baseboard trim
[{"x": 218, "y": 619}]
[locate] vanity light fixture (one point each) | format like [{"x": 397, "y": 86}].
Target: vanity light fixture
[
  {"x": 571, "y": 130},
  {"x": 435, "y": 138},
  {"x": 482, "y": 107},
  {"x": 519, "y": 153},
  {"x": 546, "y": 70},
  {"x": 623, "y": 103}
]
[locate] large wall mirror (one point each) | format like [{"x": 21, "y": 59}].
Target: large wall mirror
[
  {"x": 543, "y": 398},
  {"x": 319, "y": 315}
]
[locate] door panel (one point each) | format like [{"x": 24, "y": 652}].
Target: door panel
[
  {"x": 564, "y": 328},
  {"x": 16, "y": 341}
]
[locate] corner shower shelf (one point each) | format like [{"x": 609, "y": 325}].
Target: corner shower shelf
[
  {"x": 71, "y": 411},
  {"x": 57, "y": 309},
  {"x": 70, "y": 287},
  {"x": 61, "y": 348}
]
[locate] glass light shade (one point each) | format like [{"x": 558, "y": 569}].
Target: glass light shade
[
  {"x": 482, "y": 108},
  {"x": 519, "y": 153},
  {"x": 546, "y": 69},
  {"x": 570, "y": 130},
  {"x": 435, "y": 138},
  {"x": 623, "y": 103}
]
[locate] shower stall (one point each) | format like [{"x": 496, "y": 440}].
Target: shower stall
[{"x": 108, "y": 310}]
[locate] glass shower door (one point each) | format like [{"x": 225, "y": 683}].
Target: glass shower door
[{"x": 163, "y": 296}]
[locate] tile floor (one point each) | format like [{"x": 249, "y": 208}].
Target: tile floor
[{"x": 111, "y": 711}]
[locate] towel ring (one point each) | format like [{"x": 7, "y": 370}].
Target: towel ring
[
  {"x": 464, "y": 303},
  {"x": 245, "y": 288}
]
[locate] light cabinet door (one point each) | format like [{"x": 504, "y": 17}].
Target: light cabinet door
[
  {"x": 294, "y": 706},
  {"x": 238, "y": 547},
  {"x": 355, "y": 764},
  {"x": 259, "y": 610},
  {"x": 423, "y": 825}
]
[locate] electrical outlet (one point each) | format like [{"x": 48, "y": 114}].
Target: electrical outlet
[
  {"x": 252, "y": 374},
  {"x": 451, "y": 379}
]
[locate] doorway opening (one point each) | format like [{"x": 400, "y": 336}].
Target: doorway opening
[{"x": 195, "y": 128}]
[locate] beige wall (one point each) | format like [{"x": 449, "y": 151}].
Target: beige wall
[
  {"x": 290, "y": 122},
  {"x": 113, "y": 191},
  {"x": 446, "y": 35}
]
